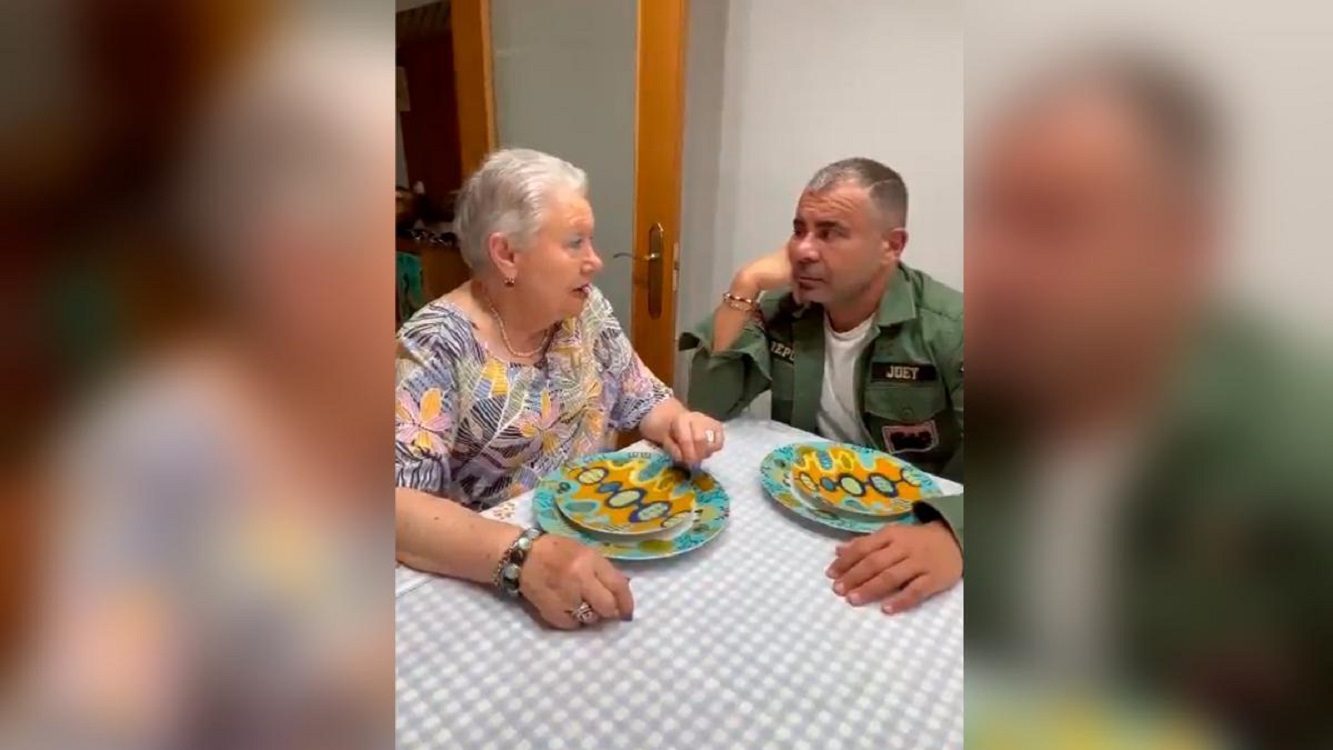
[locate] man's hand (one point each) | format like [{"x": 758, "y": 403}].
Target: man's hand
[
  {"x": 767, "y": 274},
  {"x": 916, "y": 562}
]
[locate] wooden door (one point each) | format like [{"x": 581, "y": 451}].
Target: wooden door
[{"x": 660, "y": 129}]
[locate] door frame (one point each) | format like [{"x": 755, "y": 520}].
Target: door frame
[
  {"x": 659, "y": 136},
  {"x": 470, "y": 23}
]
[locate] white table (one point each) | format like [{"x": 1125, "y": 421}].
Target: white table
[{"x": 740, "y": 644}]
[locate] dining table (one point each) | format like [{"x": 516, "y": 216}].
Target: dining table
[{"x": 741, "y": 643}]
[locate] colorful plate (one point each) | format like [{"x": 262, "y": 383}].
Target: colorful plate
[
  {"x": 629, "y": 494},
  {"x": 775, "y": 474},
  {"x": 851, "y": 479},
  {"x": 711, "y": 509}
]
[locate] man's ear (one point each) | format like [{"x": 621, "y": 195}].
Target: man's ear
[
  {"x": 502, "y": 255},
  {"x": 893, "y": 241}
]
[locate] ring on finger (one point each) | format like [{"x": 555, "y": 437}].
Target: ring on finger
[{"x": 583, "y": 614}]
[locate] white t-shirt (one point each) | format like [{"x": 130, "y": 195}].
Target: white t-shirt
[
  {"x": 839, "y": 418},
  {"x": 1078, "y": 487}
]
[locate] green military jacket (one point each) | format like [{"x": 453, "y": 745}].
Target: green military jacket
[
  {"x": 909, "y": 379},
  {"x": 1223, "y": 542}
]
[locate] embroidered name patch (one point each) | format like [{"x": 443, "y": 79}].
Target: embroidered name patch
[
  {"x": 781, "y": 350},
  {"x": 911, "y": 438},
  {"x": 900, "y": 372}
]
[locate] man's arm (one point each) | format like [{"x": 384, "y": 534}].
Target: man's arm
[
  {"x": 946, "y": 509},
  {"x": 723, "y": 382},
  {"x": 730, "y": 367},
  {"x": 767, "y": 274},
  {"x": 949, "y": 358},
  {"x": 729, "y": 322}
]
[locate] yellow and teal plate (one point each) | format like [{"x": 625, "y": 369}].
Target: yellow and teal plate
[
  {"x": 695, "y": 523},
  {"x": 628, "y": 494},
  {"x": 784, "y": 467},
  {"x": 851, "y": 479}
]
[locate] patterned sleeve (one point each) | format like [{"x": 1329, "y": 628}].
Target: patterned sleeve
[
  {"x": 634, "y": 389},
  {"x": 425, "y": 409}
]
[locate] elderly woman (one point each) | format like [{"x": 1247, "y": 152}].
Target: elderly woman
[{"x": 513, "y": 374}]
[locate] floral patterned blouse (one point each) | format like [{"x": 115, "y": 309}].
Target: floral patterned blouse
[{"x": 479, "y": 430}]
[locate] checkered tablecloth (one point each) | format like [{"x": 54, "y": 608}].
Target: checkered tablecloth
[{"x": 740, "y": 644}]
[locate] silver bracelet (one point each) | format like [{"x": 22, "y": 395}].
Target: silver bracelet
[{"x": 510, "y": 567}]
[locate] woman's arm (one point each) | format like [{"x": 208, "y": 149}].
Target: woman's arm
[
  {"x": 643, "y": 402},
  {"x": 432, "y": 532},
  {"x": 441, "y": 536}
]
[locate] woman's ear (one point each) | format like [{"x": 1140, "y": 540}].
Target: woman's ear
[{"x": 501, "y": 254}]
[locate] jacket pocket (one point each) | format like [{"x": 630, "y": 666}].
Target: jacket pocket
[{"x": 911, "y": 421}]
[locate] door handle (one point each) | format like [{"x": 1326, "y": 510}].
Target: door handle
[{"x": 655, "y": 270}]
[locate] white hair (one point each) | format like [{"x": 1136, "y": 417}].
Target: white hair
[{"x": 509, "y": 194}]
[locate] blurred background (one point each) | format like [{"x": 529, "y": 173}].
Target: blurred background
[
  {"x": 1149, "y": 488},
  {"x": 195, "y": 534},
  {"x": 197, "y": 320}
]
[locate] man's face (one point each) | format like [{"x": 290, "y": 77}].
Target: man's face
[
  {"x": 838, "y": 244},
  {"x": 1078, "y": 246}
]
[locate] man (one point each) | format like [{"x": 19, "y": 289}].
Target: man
[
  {"x": 1154, "y": 473},
  {"x": 861, "y": 349}
]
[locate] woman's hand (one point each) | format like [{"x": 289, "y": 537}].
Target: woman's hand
[
  {"x": 692, "y": 437},
  {"x": 560, "y": 574},
  {"x": 687, "y": 436}
]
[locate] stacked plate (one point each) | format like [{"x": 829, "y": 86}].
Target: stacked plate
[
  {"x": 632, "y": 505},
  {"x": 844, "y": 486}
]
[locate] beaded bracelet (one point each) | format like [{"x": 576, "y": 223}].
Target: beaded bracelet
[
  {"x": 510, "y": 567},
  {"x": 738, "y": 303}
]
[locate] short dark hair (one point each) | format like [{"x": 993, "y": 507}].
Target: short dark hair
[
  {"x": 1174, "y": 107},
  {"x": 887, "y": 190}
]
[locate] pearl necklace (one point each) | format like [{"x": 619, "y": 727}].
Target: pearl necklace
[{"x": 504, "y": 335}]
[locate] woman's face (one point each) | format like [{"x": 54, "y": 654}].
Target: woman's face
[{"x": 553, "y": 274}]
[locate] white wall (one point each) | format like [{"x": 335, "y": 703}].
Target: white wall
[
  {"x": 778, "y": 88},
  {"x": 564, "y": 81},
  {"x": 1257, "y": 65},
  {"x": 701, "y": 259}
]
